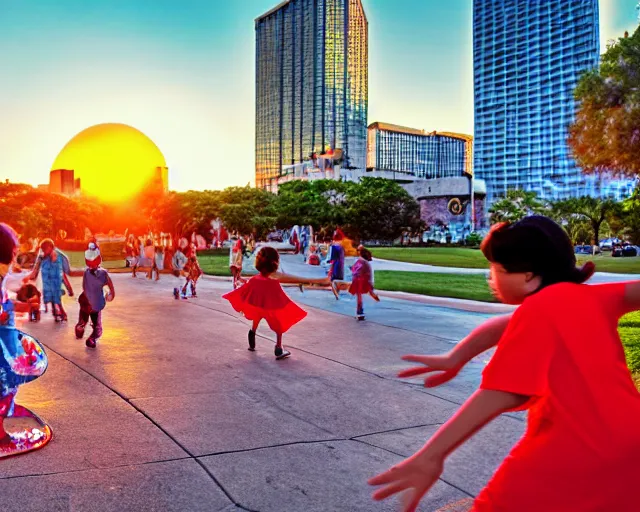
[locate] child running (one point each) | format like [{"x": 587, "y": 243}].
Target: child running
[
  {"x": 193, "y": 272},
  {"x": 559, "y": 357},
  {"x": 92, "y": 300},
  {"x": 178, "y": 262},
  {"x": 263, "y": 298},
  {"x": 236, "y": 255},
  {"x": 362, "y": 280}
]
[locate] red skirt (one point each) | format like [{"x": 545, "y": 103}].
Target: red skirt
[
  {"x": 360, "y": 286},
  {"x": 264, "y": 298}
]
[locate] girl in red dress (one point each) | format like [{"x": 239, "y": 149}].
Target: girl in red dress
[
  {"x": 362, "y": 280},
  {"x": 559, "y": 356},
  {"x": 263, "y": 298}
]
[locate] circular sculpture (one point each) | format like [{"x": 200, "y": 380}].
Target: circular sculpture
[
  {"x": 455, "y": 206},
  {"x": 114, "y": 162}
]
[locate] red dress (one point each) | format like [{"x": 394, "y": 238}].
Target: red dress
[
  {"x": 582, "y": 445},
  {"x": 361, "y": 280},
  {"x": 263, "y": 297}
]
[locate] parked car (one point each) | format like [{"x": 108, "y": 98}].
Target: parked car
[
  {"x": 608, "y": 243},
  {"x": 625, "y": 250},
  {"x": 275, "y": 236},
  {"x": 586, "y": 249}
]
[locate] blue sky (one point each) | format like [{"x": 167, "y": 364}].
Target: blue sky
[{"x": 183, "y": 73}]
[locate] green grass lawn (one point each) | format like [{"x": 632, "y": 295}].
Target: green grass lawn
[
  {"x": 215, "y": 262},
  {"x": 473, "y": 258},
  {"x": 472, "y": 287},
  {"x": 76, "y": 258},
  {"x": 630, "y": 333}
]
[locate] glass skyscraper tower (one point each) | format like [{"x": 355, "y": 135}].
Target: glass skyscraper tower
[
  {"x": 311, "y": 84},
  {"x": 528, "y": 56}
]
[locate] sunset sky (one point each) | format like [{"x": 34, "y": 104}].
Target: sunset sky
[{"x": 182, "y": 72}]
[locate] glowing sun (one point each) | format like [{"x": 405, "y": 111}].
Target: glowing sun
[{"x": 113, "y": 161}]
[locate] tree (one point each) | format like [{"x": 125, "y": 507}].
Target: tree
[
  {"x": 630, "y": 217},
  {"x": 380, "y": 209},
  {"x": 590, "y": 209},
  {"x": 247, "y": 210},
  {"x": 605, "y": 137},
  {"x": 517, "y": 205},
  {"x": 318, "y": 203}
]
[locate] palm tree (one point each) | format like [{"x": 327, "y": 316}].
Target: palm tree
[
  {"x": 591, "y": 209},
  {"x": 515, "y": 206}
]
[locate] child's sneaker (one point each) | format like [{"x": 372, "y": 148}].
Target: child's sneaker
[
  {"x": 360, "y": 318},
  {"x": 281, "y": 353},
  {"x": 91, "y": 343},
  {"x": 252, "y": 340},
  {"x": 176, "y": 293},
  {"x": 79, "y": 331}
]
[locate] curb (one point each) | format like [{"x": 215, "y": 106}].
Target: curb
[{"x": 472, "y": 306}]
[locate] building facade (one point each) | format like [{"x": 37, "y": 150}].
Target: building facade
[
  {"x": 528, "y": 57},
  {"x": 311, "y": 86},
  {"x": 62, "y": 181},
  {"x": 436, "y": 168},
  {"x": 407, "y": 154}
]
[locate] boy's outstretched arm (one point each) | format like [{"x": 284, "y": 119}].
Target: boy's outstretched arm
[
  {"x": 418, "y": 473},
  {"x": 481, "y": 339}
]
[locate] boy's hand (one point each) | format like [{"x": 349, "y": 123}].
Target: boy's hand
[
  {"x": 108, "y": 297},
  {"x": 445, "y": 364},
  {"x": 415, "y": 475},
  {"x": 70, "y": 290}
]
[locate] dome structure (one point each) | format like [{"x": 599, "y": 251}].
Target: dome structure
[{"x": 114, "y": 162}]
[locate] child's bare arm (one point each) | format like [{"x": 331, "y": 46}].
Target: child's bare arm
[
  {"x": 112, "y": 290},
  {"x": 34, "y": 273},
  {"x": 67, "y": 284},
  {"x": 481, "y": 339},
  {"x": 419, "y": 472}
]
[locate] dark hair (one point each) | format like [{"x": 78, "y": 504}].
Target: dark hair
[
  {"x": 536, "y": 244},
  {"x": 365, "y": 253},
  {"x": 8, "y": 243},
  {"x": 267, "y": 260}
]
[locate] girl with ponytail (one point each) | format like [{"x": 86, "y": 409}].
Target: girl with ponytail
[{"x": 558, "y": 356}]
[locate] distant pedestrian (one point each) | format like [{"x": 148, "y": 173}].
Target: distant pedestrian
[
  {"x": 362, "y": 281},
  {"x": 178, "y": 262},
  {"x": 92, "y": 299},
  {"x": 236, "y": 256},
  {"x": 192, "y": 271},
  {"x": 335, "y": 259},
  {"x": 262, "y": 297},
  {"x": 559, "y": 357}
]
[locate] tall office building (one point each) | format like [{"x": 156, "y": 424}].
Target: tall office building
[
  {"x": 311, "y": 85},
  {"x": 528, "y": 57}
]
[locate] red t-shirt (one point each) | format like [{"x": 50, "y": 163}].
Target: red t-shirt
[{"x": 581, "y": 450}]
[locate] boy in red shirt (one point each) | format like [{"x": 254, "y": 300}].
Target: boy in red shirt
[{"x": 560, "y": 357}]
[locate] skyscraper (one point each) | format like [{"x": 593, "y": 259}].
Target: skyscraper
[
  {"x": 528, "y": 57},
  {"x": 311, "y": 85}
]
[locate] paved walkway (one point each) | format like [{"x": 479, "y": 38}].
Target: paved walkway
[{"x": 172, "y": 413}]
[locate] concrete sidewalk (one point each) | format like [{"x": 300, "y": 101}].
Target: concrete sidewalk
[{"x": 172, "y": 413}]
